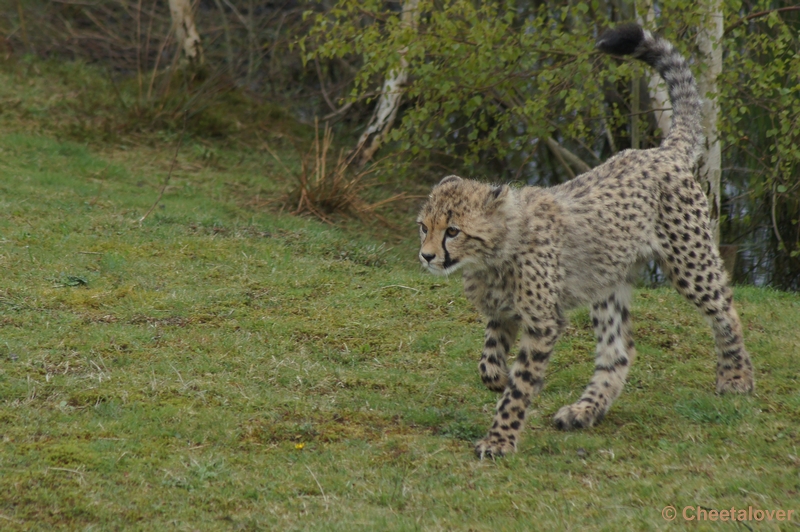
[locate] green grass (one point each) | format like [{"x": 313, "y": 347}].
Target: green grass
[{"x": 220, "y": 367}]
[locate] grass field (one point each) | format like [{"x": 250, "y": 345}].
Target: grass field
[{"x": 221, "y": 366}]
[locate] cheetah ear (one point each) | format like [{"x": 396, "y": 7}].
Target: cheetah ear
[
  {"x": 496, "y": 197},
  {"x": 449, "y": 179}
]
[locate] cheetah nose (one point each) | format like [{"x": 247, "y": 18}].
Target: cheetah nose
[{"x": 427, "y": 256}]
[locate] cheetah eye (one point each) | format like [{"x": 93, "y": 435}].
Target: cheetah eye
[
  {"x": 423, "y": 228},
  {"x": 452, "y": 232}
]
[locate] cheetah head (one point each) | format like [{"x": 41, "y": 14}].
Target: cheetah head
[{"x": 462, "y": 223}]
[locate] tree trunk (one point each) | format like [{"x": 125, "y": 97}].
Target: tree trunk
[
  {"x": 646, "y": 17},
  {"x": 185, "y": 31},
  {"x": 709, "y": 42},
  {"x": 389, "y": 101}
]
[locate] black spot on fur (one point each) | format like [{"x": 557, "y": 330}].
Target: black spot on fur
[{"x": 539, "y": 356}]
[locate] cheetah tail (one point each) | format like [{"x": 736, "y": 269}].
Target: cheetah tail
[{"x": 686, "y": 134}]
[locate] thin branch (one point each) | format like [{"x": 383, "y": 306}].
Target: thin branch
[
  {"x": 111, "y": 35},
  {"x": 251, "y": 35},
  {"x": 171, "y": 167},
  {"x": 227, "y": 31},
  {"x": 759, "y": 14},
  {"x": 343, "y": 109},
  {"x": 139, "y": 46},
  {"x": 158, "y": 59},
  {"x": 563, "y": 153},
  {"x": 555, "y": 148},
  {"x": 348, "y": 105},
  {"x": 274, "y": 155},
  {"x": 576, "y": 161},
  {"x": 518, "y": 174},
  {"x": 21, "y": 15},
  {"x": 609, "y": 135},
  {"x": 774, "y": 220},
  {"x": 322, "y": 88},
  {"x": 564, "y": 156}
]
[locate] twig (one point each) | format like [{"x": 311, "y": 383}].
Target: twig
[
  {"x": 147, "y": 46},
  {"x": 139, "y": 47},
  {"x": 248, "y": 26},
  {"x": 171, "y": 167},
  {"x": 555, "y": 150},
  {"x": 64, "y": 469},
  {"x": 113, "y": 37},
  {"x": 67, "y": 470},
  {"x": 274, "y": 155},
  {"x": 399, "y": 286},
  {"x": 573, "y": 159},
  {"x": 120, "y": 99},
  {"x": 348, "y": 105},
  {"x": 521, "y": 168},
  {"x": 336, "y": 113},
  {"x": 781, "y": 243},
  {"x": 560, "y": 152},
  {"x": 158, "y": 59},
  {"x": 227, "y": 31},
  {"x": 609, "y": 135},
  {"x": 759, "y": 14},
  {"x": 324, "y": 497},
  {"x": 179, "y": 374},
  {"x": 322, "y": 88},
  {"x": 21, "y": 15}
]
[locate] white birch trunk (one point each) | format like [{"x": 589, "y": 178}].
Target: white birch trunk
[
  {"x": 709, "y": 42},
  {"x": 656, "y": 87},
  {"x": 185, "y": 31},
  {"x": 389, "y": 101}
]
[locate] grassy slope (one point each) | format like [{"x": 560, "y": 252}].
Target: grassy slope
[{"x": 223, "y": 368}]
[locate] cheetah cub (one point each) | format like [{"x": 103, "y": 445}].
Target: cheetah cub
[{"x": 528, "y": 254}]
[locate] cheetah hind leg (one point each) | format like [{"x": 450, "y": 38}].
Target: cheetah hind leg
[
  {"x": 615, "y": 352},
  {"x": 704, "y": 283}
]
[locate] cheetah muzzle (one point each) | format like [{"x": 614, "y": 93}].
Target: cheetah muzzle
[{"x": 528, "y": 254}]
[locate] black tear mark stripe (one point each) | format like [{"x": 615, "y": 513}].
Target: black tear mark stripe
[{"x": 447, "y": 260}]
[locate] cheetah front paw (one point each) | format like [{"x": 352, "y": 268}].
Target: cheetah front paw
[
  {"x": 493, "y": 446},
  {"x": 494, "y": 377},
  {"x": 735, "y": 382},
  {"x": 580, "y": 415},
  {"x": 496, "y": 383}
]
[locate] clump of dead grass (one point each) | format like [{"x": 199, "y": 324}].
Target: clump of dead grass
[{"x": 326, "y": 190}]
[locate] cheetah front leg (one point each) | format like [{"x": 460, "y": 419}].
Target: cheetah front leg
[
  {"x": 525, "y": 379},
  {"x": 500, "y": 336},
  {"x": 615, "y": 352}
]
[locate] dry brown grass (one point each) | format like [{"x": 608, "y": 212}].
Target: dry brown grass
[{"x": 326, "y": 190}]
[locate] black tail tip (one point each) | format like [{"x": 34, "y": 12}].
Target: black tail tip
[{"x": 622, "y": 40}]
